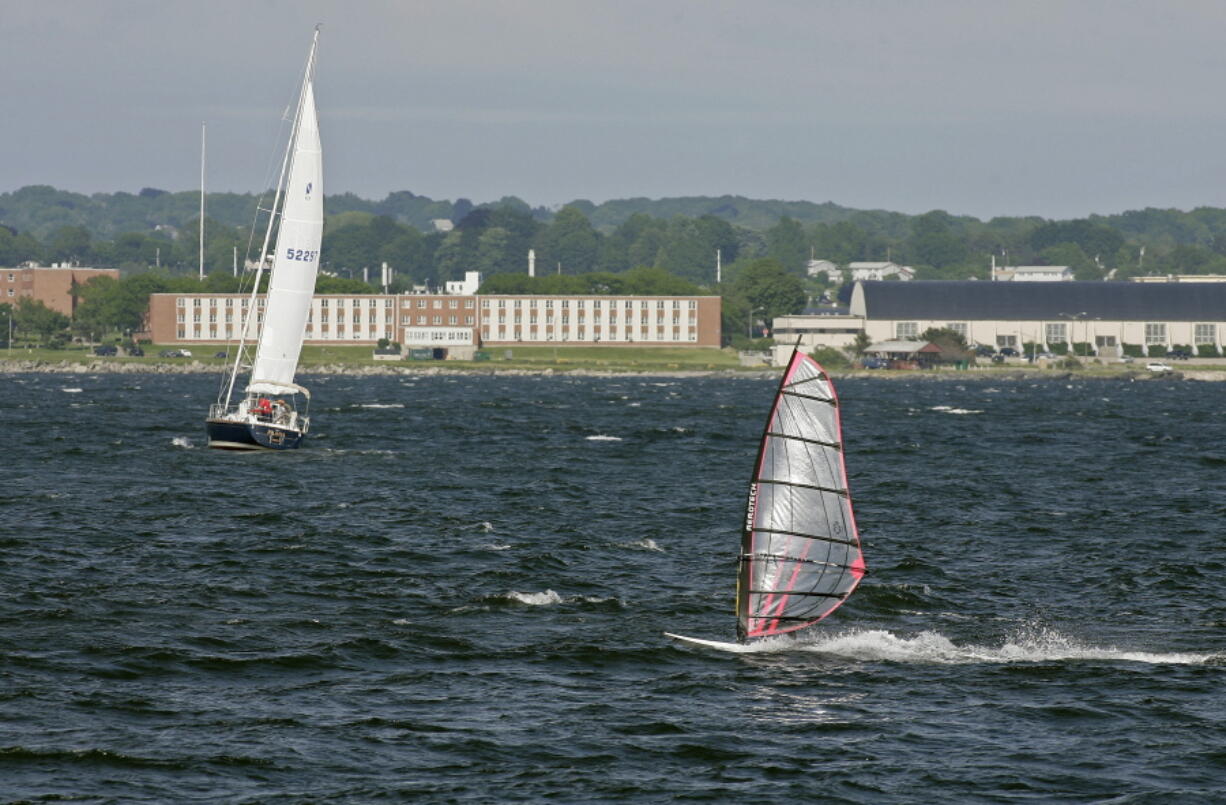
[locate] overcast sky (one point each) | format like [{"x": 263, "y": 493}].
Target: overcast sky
[{"x": 1058, "y": 109}]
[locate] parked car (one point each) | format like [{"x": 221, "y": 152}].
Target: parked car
[
  {"x": 984, "y": 351},
  {"x": 875, "y": 363},
  {"x": 173, "y": 353},
  {"x": 1126, "y": 359},
  {"x": 1158, "y": 366},
  {"x": 1008, "y": 352},
  {"x": 1179, "y": 354},
  {"x": 219, "y": 354},
  {"x": 136, "y": 352},
  {"x": 108, "y": 350}
]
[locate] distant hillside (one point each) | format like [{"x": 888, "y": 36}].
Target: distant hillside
[
  {"x": 749, "y": 213},
  {"x": 40, "y": 210}
]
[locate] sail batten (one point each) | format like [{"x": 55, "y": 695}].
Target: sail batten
[
  {"x": 800, "y": 556},
  {"x": 819, "y": 537},
  {"x": 825, "y": 400},
  {"x": 834, "y": 445}
]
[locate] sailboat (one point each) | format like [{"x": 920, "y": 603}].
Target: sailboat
[
  {"x": 267, "y": 414},
  {"x": 800, "y": 554}
]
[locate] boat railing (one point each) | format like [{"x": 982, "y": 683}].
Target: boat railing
[{"x": 221, "y": 410}]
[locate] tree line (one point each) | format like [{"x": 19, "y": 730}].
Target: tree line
[
  {"x": 154, "y": 228},
  {"x": 616, "y": 247}
]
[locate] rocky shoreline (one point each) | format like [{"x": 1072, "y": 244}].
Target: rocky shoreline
[{"x": 196, "y": 367}]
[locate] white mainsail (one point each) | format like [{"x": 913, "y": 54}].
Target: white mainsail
[{"x": 295, "y": 261}]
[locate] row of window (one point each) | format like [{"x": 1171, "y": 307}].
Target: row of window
[
  {"x": 436, "y": 319},
  {"x": 453, "y": 304},
  {"x": 644, "y": 334},
  {"x": 1058, "y": 332},
  {"x": 565, "y": 318},
  {"x": 450, "y": 336},
  {"x": 595, "y": 303},
  {"x": 339, "y": 332},
  {"x": 323, "y": 303}
]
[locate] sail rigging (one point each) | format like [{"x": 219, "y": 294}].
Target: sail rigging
[{"x": 800, "y": 551}]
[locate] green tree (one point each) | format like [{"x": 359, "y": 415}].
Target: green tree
[
  {"x": 946, "y": 338},
  {"x": 492, "y": 252},
  {"x": 327, "y": 284},
  {"x": 32, "y": 317},
  {"x": 769, "y": 288},
  {"x": 70, "y": 244},
  {"x": 6, "y": 323},
  {"x": 933, "y": 243},
  {"x": 787, "y": 244},
  {"x": 1095, "y": 239},
  {"x": 830, "y": 358},
  {"x": 1071, "y": 255},
  {"x": 841, "y": 243},
  {"x": 569, "y": 242}
]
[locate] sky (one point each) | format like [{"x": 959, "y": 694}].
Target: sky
[{"x": 1033, "y": 107}]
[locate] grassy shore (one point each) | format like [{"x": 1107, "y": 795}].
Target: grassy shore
[
  {"x": 588, "y": 359},
  {"x": 561, "y": 358}
]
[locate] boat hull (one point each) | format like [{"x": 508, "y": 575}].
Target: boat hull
[{"x": 228, "y": 435}]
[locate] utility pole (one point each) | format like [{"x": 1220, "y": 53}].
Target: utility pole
[{"x": 203, "y": 131}]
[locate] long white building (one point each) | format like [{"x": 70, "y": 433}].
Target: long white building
[{"x": 1106, "y": 315}]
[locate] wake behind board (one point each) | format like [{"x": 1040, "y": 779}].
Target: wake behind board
[{"x": 719, "y": 645}]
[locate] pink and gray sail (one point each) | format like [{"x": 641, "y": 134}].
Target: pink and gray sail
[{"x": 800, "y": 551}]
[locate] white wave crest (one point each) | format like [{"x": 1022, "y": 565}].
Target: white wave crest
[
  {"x": 535, "y": 599},
  {"x": 600, "y": 437},
  {"x": 182, "y": 441},
  {"x": 381, "y": 405},
  {"x": 491, "y": 546},
  {"x": 945, "y": 409},
  {"x": 1028, "y": 645},
  {"x": 646, "y": 544},
  {"x": 72, "y": 391}
]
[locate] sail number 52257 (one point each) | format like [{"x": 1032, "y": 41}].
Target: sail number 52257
[{"x": 307, "y": 255}]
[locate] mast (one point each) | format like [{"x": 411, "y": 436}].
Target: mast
[
  {"x": 203, "y": 131},
  {"x": 308, "y": 77}
]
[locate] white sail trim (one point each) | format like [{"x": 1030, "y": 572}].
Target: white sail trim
[{"x": 296, "y": 259}]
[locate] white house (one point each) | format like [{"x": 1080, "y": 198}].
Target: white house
[
  {"x": 815, "y": 267},
  {"x": 1033, "y": 274},
  {"x": 862, "y": 272},
  {"x": 465, "y": 287}
]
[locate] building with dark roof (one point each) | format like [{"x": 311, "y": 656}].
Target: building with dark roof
[{"x": 1106, "y": 315}]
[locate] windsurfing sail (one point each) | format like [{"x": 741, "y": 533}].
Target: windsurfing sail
[
  {"x": 295, "y": 259},
  {"x": 800, "y": 551}
]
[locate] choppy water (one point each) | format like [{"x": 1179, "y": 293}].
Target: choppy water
[{"x": 456, "y": 592}]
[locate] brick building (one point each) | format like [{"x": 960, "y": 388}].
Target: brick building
[
  {"x": 453, "y": 320},
  {"x": 53, "y": 285}
]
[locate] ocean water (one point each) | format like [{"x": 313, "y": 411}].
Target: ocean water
[{"x": 456, "y": 592}]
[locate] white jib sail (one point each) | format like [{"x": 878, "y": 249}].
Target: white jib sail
[{"x": 295, "y": 261}]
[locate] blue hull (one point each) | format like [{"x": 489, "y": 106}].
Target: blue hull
[{"x": 225, "y": 435}]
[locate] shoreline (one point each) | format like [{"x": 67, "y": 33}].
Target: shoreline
[{"x": 35, "y": 366}]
